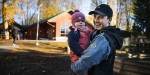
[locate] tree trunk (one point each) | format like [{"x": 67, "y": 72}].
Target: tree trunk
[{"x": 5, "y": 23}]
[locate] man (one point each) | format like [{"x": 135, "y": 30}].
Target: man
[
  {"x": 14, "y": 37},
  {"x": 98, "y": 58}
]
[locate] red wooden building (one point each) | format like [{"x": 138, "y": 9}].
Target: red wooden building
[{"x": 47, "y": 30}]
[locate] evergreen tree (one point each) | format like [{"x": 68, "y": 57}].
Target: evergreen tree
[{"x": 142, "y": 15}]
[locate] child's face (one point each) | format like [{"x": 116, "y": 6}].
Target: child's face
[{"x": 80, "y": 25}]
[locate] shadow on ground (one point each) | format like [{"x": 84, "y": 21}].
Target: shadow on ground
[{"x": 34, "y": 62}]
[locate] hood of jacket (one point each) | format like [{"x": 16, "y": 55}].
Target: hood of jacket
[{"x": 116, "y": 34}]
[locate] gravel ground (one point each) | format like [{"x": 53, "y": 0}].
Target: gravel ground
[
  {"x": 34, "y": 63},
  {"x": 49, "y": 58}
]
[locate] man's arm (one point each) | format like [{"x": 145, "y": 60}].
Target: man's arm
[
  {"x": 98, "y": 50},
  {"x": 73, "y": 42}
]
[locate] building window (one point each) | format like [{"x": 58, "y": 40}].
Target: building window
[{"x": 64, "y": 29}]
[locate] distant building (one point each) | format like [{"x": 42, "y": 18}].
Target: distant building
[
  {"x": 55, "y": 28},
  {"x": 16, "y": 26},
  {"x": 63, "y": 21},
  {"x": 46, "y": 31},
  {"x": 2, "y": 34}
]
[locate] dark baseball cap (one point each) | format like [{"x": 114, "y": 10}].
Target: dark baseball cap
[{"x": 103, "y": 10}]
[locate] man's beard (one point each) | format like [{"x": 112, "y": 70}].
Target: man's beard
[{"x": 98, "y": 26}]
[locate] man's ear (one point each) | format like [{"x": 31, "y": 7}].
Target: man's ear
[{"x": 110, "y": 18}]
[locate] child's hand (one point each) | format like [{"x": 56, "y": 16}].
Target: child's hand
[
  {"x": 73, "y": 57},
  {"x": 75, "y": 29}
]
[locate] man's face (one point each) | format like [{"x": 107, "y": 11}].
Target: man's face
[
  {"x": 100, "y": 21},
  {"x": 80, "y": 25}
]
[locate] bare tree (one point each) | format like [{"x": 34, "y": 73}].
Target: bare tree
[
  {"x": 67, "y": 4},
  {"x": 96, "y": 3},
  {"x": 123, "y": 13}
]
